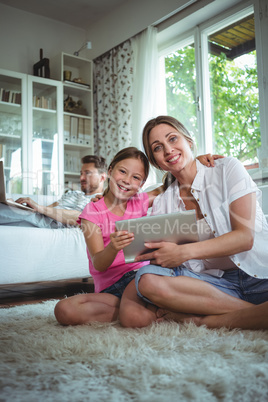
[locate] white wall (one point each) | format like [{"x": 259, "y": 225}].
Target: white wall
[
  {"x": 22, "y": 34},
  {"x": 128, "y": 20}
]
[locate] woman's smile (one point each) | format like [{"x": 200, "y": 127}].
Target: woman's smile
[{"x": 173, "y": 159}]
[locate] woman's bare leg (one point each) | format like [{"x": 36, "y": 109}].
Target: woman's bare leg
[
  {"x": 134, "y": 312},
  {"x": 166, "y": 315},
  {"x": 254, "y": 317},
  {"x": 188, "y": 295},
  {"x": 86, "y": 308}
]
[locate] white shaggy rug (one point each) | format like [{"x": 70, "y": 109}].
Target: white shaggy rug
[{"x": 43, "y": 361}]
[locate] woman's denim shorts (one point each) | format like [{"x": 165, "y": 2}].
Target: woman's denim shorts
[
  {"x": 235, "y": 283},
  {"x": 118, "y": 287}
]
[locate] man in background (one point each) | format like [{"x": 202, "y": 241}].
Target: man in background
[{"x": 66, "y": 210}]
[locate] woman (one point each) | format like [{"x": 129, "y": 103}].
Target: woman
[{"x": 208, "y": 281}]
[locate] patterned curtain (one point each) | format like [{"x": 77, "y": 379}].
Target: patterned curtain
[{"x": 113, "y": 97}]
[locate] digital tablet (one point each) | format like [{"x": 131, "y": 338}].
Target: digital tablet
[{"x": 176, "y": 227}]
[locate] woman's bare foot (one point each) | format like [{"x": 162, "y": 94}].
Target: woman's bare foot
[{"x": 166, "y": 315}]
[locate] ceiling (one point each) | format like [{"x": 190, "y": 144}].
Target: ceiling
[{"x": 79, "y": 13}]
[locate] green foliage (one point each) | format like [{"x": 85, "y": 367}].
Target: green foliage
[
  {"x": 16, "y": 185},
  {"x": 181, "y": 87},
  {"x": 234, "y": 100}
]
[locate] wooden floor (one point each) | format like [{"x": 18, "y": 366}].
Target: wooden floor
[{"x": 30, "y": 293}]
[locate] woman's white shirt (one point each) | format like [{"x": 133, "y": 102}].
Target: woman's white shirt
[{"x": 214, "y": 189}]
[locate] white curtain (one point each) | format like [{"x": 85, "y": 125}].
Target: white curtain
[
  {"x": 147, "y": 96},
  {"x": 145, "y": 80}
]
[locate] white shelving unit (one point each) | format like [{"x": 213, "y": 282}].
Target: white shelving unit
[
  {"x": 13, "y": 129},
  {"x": 43, "y": 137},
  {"x": 31, "y": 133},
  {"x": 77, "y": 113},
  {"x": 45, "y": 128}
]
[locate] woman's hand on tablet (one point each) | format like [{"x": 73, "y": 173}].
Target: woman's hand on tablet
[{"x": 168, "y": 254}]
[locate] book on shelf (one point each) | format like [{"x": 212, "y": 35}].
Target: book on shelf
[
  {"x": 80, "y": 137},
  {"x": 36, "y": 101},
  {"x": 87, "y": 132},
  {"x": 6, "y": 96},
  {"x": 18, "y": 98},
  {"x": 66, "y": 128},
  {"x": 43, "y": 102},
  {"x": 74, "y": 129},
  {"x": 10, "y": 96}
]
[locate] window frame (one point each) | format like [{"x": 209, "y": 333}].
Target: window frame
[{"x": 200, "y": 32}]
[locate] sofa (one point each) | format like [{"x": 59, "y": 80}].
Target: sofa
[{"x": 32, "y": 254}]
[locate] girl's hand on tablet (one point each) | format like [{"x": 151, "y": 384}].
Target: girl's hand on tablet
[{"x": 121, "y": 239}]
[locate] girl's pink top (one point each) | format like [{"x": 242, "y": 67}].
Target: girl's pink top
[{"x": 98, "y": 213}]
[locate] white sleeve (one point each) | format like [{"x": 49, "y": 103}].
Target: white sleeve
[{"x": 238, "y": 181}]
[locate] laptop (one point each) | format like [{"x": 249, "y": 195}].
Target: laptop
[
  {"x": 176, "y": 227},
  {"x": 3, "y": 197}
]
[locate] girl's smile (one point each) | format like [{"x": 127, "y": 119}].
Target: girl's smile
[{"x": 122, "y": 188}]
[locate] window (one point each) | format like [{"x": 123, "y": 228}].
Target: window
[
  {"x": 234, "y": 96},
  {"x": 180, "y": 74},
  {"x": 212, "y": 83}
]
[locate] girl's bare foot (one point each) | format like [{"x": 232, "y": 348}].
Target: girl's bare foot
[{"x": 166, "y": 315}]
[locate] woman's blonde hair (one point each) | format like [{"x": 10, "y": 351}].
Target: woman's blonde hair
[
  {"x": 178, "y": 126},
  {"x": 129, "y": 153}
]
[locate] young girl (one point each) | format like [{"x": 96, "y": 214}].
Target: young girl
[{"x": 126, "y": 175}]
